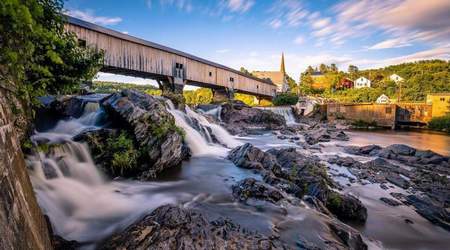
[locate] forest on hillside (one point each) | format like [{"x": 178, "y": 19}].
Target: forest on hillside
[{"x": 420, "y": 79}]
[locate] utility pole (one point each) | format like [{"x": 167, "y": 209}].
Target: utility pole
[{"x": 399, "y": 94}]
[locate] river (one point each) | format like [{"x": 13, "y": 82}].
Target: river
[{"x": 86, "y": 206}]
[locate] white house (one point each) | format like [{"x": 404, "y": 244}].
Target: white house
[
  {"x": 383, "y": 99},
  {"x": 362, "y": 82},
  {"x": 396, "y": 78}
]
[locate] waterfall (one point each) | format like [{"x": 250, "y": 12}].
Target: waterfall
[
  {"x": 200, "y": 132},
  {"x": 80, "y": 202},
  {"x": 286, "y": 112}
]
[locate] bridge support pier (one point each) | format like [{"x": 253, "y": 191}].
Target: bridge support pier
[
  {"x": 221, "y": 95},
  {"x": 173, "y": 92}
]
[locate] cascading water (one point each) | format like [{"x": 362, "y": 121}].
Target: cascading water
[
  {"x": 200, "y": 132},
  {"x": 81, "y": 203},
  {"x": 286, "y": 112}
]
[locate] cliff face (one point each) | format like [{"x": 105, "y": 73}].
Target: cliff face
[{"x": 22, "y": 225}]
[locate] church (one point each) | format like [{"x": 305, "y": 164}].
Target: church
[{"x": 279, "y": 78}]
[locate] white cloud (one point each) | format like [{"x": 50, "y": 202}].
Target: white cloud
[
  {"x": 299, "y": 40},
  {"x": 89, "y": 16},
  {"x": 239, "y": 5},
  {"x": 125, "y": 32},
  {"x": 183, "y": 5},
  {"x": 276, "y": 23},
  {"x": 290, "y": 12},
  {"x": 427, "y": 21},
  {"x": 320, "y": 23},
  {"x": 222, "y": 51},
  {"x": 391, "y": 43}
]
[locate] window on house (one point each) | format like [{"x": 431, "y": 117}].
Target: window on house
[
  {"x": 388, "y": 110},
  {"x": 442, "y": 99}
]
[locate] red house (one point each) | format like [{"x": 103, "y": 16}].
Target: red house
[{"x": 345, "y": 83}]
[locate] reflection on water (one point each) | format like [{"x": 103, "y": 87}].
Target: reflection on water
[{"x": 425, "y": 140}]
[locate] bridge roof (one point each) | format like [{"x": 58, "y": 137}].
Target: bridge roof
[{"x": 91, "y": 26}]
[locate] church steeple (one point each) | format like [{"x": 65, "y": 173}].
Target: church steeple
[{"x": 282, "y": 69}]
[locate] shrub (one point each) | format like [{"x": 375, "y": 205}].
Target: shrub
[
  {"x": 440, "y": 123},
  {"x": 285, "y": 99},
  {"x": 124, "y": 154}
]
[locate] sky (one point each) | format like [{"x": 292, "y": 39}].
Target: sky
[{"x": 254, "y": 33}]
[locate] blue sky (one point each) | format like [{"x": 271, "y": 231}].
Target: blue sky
[{"x": 253, "y": 33}]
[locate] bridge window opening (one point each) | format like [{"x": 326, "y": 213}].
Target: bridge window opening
[
  {"x": 231, "y": 79},
  {"x": 210, "y": 74},
  {"x": 179, "y": 70}
]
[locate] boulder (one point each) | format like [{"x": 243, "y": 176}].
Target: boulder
[
  {"x": 390, "y": 202},
  {"x": 325, "y": 135},
  {"x": 431, "y": 210},
  {"x": 250, "y": 157},
  {"x": 251, "y": 188},
  {"x": 349, "y": 236},
  {"x": 151, "y": 126},
  {"x": 346, "y": 207},
  {"x": 239, "y": 118},
  {"x": 172, "y": 227}
]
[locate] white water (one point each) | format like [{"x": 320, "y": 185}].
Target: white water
[
  {"x": 201, "y": 142},
  {"x": 81, "y": 203},
  {"x": 286, "y": 112}
]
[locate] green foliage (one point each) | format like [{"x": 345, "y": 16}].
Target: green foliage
[
  {"x": 123, "y": 153},
  {"x": 440, "y": 123},
  {"x": 198, "y": 96},
  {"x": 334, "y": 200},
  {"x": 364, "y": 124},
  {"x": 285, "y": 99},
  {"x": 245, "y": 71},
  {"x": 247, "y": 99},
  {"x": 112, "y": 87},
  {"x": 354, "y": 95},
  {"x": 37, "y": 56}
]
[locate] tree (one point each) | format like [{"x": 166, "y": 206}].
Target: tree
[
  {"x": 37, "y": 56},
  {"x": 245, "y": 71},
  {"x": 323, "y": 68},
  {"x": 334, "y": 68},
  {"x": 352, "y": 69},
  {"x": 309, "y": 70}
]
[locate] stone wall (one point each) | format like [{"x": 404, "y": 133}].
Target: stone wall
[
  {"x": 22, "y": 225},
  {"x": 383, "y": 114}
]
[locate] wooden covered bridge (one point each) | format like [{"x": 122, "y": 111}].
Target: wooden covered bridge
[{"x": 172, "y": 69}]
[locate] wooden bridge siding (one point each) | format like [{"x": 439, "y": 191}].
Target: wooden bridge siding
[{"x": 124, "y": 54}]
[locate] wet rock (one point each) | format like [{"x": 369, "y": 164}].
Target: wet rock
[
  {"x": 433, "y": 211},
  {"x": 59, "y": 243},
  {"x": 346, "y": 207},
  {"x": 349, "y": 236},
  {"x": 250, "y": 157},
  {"x": 365, "y": 150},
  {"x": 390, "y": 202},
  {"x": 172, "y": 227},
  {"x": 400, "y": 149},
  {"x": 408, "y": 221},
  {"x": 251, "y": 188},
  {"x": 152, "y": 127},
  {"x": 325, "y": 135},
  {"x": 239, "y": 118},
  {"x": 397, "y": 180}
]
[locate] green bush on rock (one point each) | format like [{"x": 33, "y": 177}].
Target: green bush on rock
[{"x": 124, "y": 155}]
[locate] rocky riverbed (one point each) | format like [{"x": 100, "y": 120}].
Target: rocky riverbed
[{"x": 128, "y": 170}]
